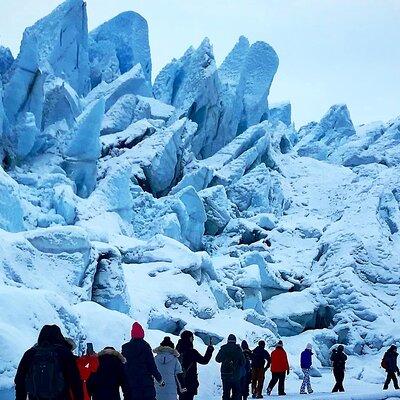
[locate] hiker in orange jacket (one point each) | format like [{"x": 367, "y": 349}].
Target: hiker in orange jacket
[
  {"x": 279, "y": 369},
  {"x": 87, "y": 365}
]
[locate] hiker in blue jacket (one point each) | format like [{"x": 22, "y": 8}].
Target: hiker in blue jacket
[{"x": 306, "y": 363}]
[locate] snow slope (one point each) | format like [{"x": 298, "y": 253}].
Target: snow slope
[{"x": 189, "y": 204}]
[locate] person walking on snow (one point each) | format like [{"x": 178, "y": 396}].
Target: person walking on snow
[
  {"x": 246, "y": 376},
  {"x": 48, "y": 370},
  {"x": 140, "y": 366},
  {"x": 87, "y": 365},
  {"x": 169, "y": 366},
  {"x": 305, "y": 364},
  {"x": 189, "y": 358},
  {"x": 258, "y": 369},
  {"x": 110, "y": 376},
  {"x": 232, "y": 361},
  {"x": 338, "y": 358},
  {"x": 279, "y": 369},
  {"x": 389, "y": 363}
]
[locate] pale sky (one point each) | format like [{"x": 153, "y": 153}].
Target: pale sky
[{"x": 330, "y": 51}]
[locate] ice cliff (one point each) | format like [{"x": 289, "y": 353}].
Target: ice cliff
[{"x": 190, "y": 203}]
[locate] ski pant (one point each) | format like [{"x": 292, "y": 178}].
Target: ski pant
[
  {"x": 278, "y": 377},
  {"x": 339, "y": 377},
  {"x": 257, "y": 380},
  {"x": 391, "y": 376},
  {"x": 306, "y": 381},
  {"x": 230, "y": 389}
]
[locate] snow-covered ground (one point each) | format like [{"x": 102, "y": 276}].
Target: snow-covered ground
[{"x": 189, "y": 203}]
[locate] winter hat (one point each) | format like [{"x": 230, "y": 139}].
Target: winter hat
[
  {"x": 137, "y": 331},
  {"x": 167, "y": 342},
  {"x": 231, "y": 338},
  {"x": 309, "y": 346},
  {"x": 279, "y": 344},
  {"x": 261, "y": 343}
]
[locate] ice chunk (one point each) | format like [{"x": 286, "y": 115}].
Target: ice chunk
[
  {"x": 6, "y": 60},
  {"x": 319, "y": 140},
  {"x": 11, "y": 214},
  {"x": 218, "y": 208},
  {"x": 117, "y": 45},
  {"x": 191, "y": 85},
  {"x": 280, "y": 112},
  {"x": 56, "y": 44},
  {"x": 132, "y": 82},
  {"x": 23, "y": 135},
  {"x": 65, "y": 203},
  {"x": 158, "y": 109},
  {"x": 199, "y": 178},
  {"x": 84, "y": 149},
  {"x": 109, "y": 288}
]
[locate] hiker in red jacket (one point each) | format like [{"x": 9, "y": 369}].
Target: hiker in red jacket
[
  {"x": 87, "y": 365},
  {"x": 279, "y": 369}
]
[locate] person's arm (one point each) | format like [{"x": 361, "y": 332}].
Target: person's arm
[
  {"x": 23, "y": 367},
  {"x": 268, "y": 358},
  {"x": 152, "y": 366},
  {"x": 203, "y": 360},
  {"x": 219, "y": 357},
  {"x": 123, "y": 382},
  {"x": 242, "y": 359}
]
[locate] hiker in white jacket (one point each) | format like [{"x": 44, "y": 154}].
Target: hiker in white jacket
[{"x": 169, "y": 366}]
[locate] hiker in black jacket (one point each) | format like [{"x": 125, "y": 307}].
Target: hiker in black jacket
[
  {"x": 48, "y": 369},
  {"x": 258, "y": 369},
  {"x": 189, "y": 358},
  {"x": 141, "y": 368},
  {"x": 389, "y": 362},
  {"x": 232, "y": 368},
  {"x": 338, "y": 358},
  {"x": 110, "y": 376},
  {"x": 246, "y": 378}
]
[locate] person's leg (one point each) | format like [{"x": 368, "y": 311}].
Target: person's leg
[
  {"x": 336, "y": 387},
  {"x": 341, "y": 380},
  {"x": 261, "y": 379},
  {"x": 254, "y": 381},
  {"x": 309, "y": 388},
  {"x": 395, "y": 381},
  {"x": 304, "y": 383},
  {"x": 281, "y": 385},
  {"x": 226, "y": 389},
  {"x": 273, "y": 381},
  {"x": 387, "y": 381},
  {"x": 235, "y": 390}
]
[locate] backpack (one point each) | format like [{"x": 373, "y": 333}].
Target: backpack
[
  {"x": 229, "y": 368},
  {"x": 45, "y": 378},
  {"x": 384, "y": 363}
]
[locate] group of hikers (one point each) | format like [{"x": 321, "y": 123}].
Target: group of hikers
[{"x": 50, "y": 371}]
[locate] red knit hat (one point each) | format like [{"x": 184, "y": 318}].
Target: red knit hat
[{"x": 137, "y": 331}]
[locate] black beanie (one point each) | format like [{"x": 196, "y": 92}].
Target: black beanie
[{"x": 232, "y": 338}]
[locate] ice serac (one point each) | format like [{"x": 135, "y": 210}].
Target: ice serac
[
  {"x": 259, "y": 70},
  {"x": 232, "y": 76},
  {"x": 56, "y": 44},
  {"x": 84, "y": 148},
  {"x": 191, "y": 84},
  {"x": 6, "y": 60},
  {"x": 117, "y": 45},
  {"x": 320, "y": 140}
]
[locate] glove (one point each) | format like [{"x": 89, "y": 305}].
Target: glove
[
  {"x": 162, "y": 383},
  {"x": 211, "y": 347},
  {"x": 288, "y": 372}
]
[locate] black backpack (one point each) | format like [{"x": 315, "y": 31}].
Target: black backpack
[
  {"x": 45, "y": 378},
  {"x": 229, "y": 368}
]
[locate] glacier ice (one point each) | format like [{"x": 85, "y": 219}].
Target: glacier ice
[
  {"x": 195, "y": 190},
  {"x": 6, "y": 61},
  {"x": 117, "y": 45}
]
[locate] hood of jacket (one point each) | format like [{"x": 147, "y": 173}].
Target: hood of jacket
[
  {"x": 112, "y": 352},
  {"x": 166, "y": 350}
]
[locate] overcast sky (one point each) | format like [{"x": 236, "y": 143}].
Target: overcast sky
[{"x": 331, "y": 51}]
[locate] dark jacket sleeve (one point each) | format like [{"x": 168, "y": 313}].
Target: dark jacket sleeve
[
  {"x": 242, "y": 358},
  {"x": 152, "y": 365},
  {"x": 220, "y": 356},
  {"x": 123, "y": 382},
  {"x": 204, "y": 360},
  {"x": 23, "y": 368},
  {"x": 72, "y": 376}
]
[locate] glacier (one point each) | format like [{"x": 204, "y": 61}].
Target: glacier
[{"x": 188, "y": 202}]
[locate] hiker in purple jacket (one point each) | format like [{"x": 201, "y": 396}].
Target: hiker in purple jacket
[{"x": 305, "y": 363}]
